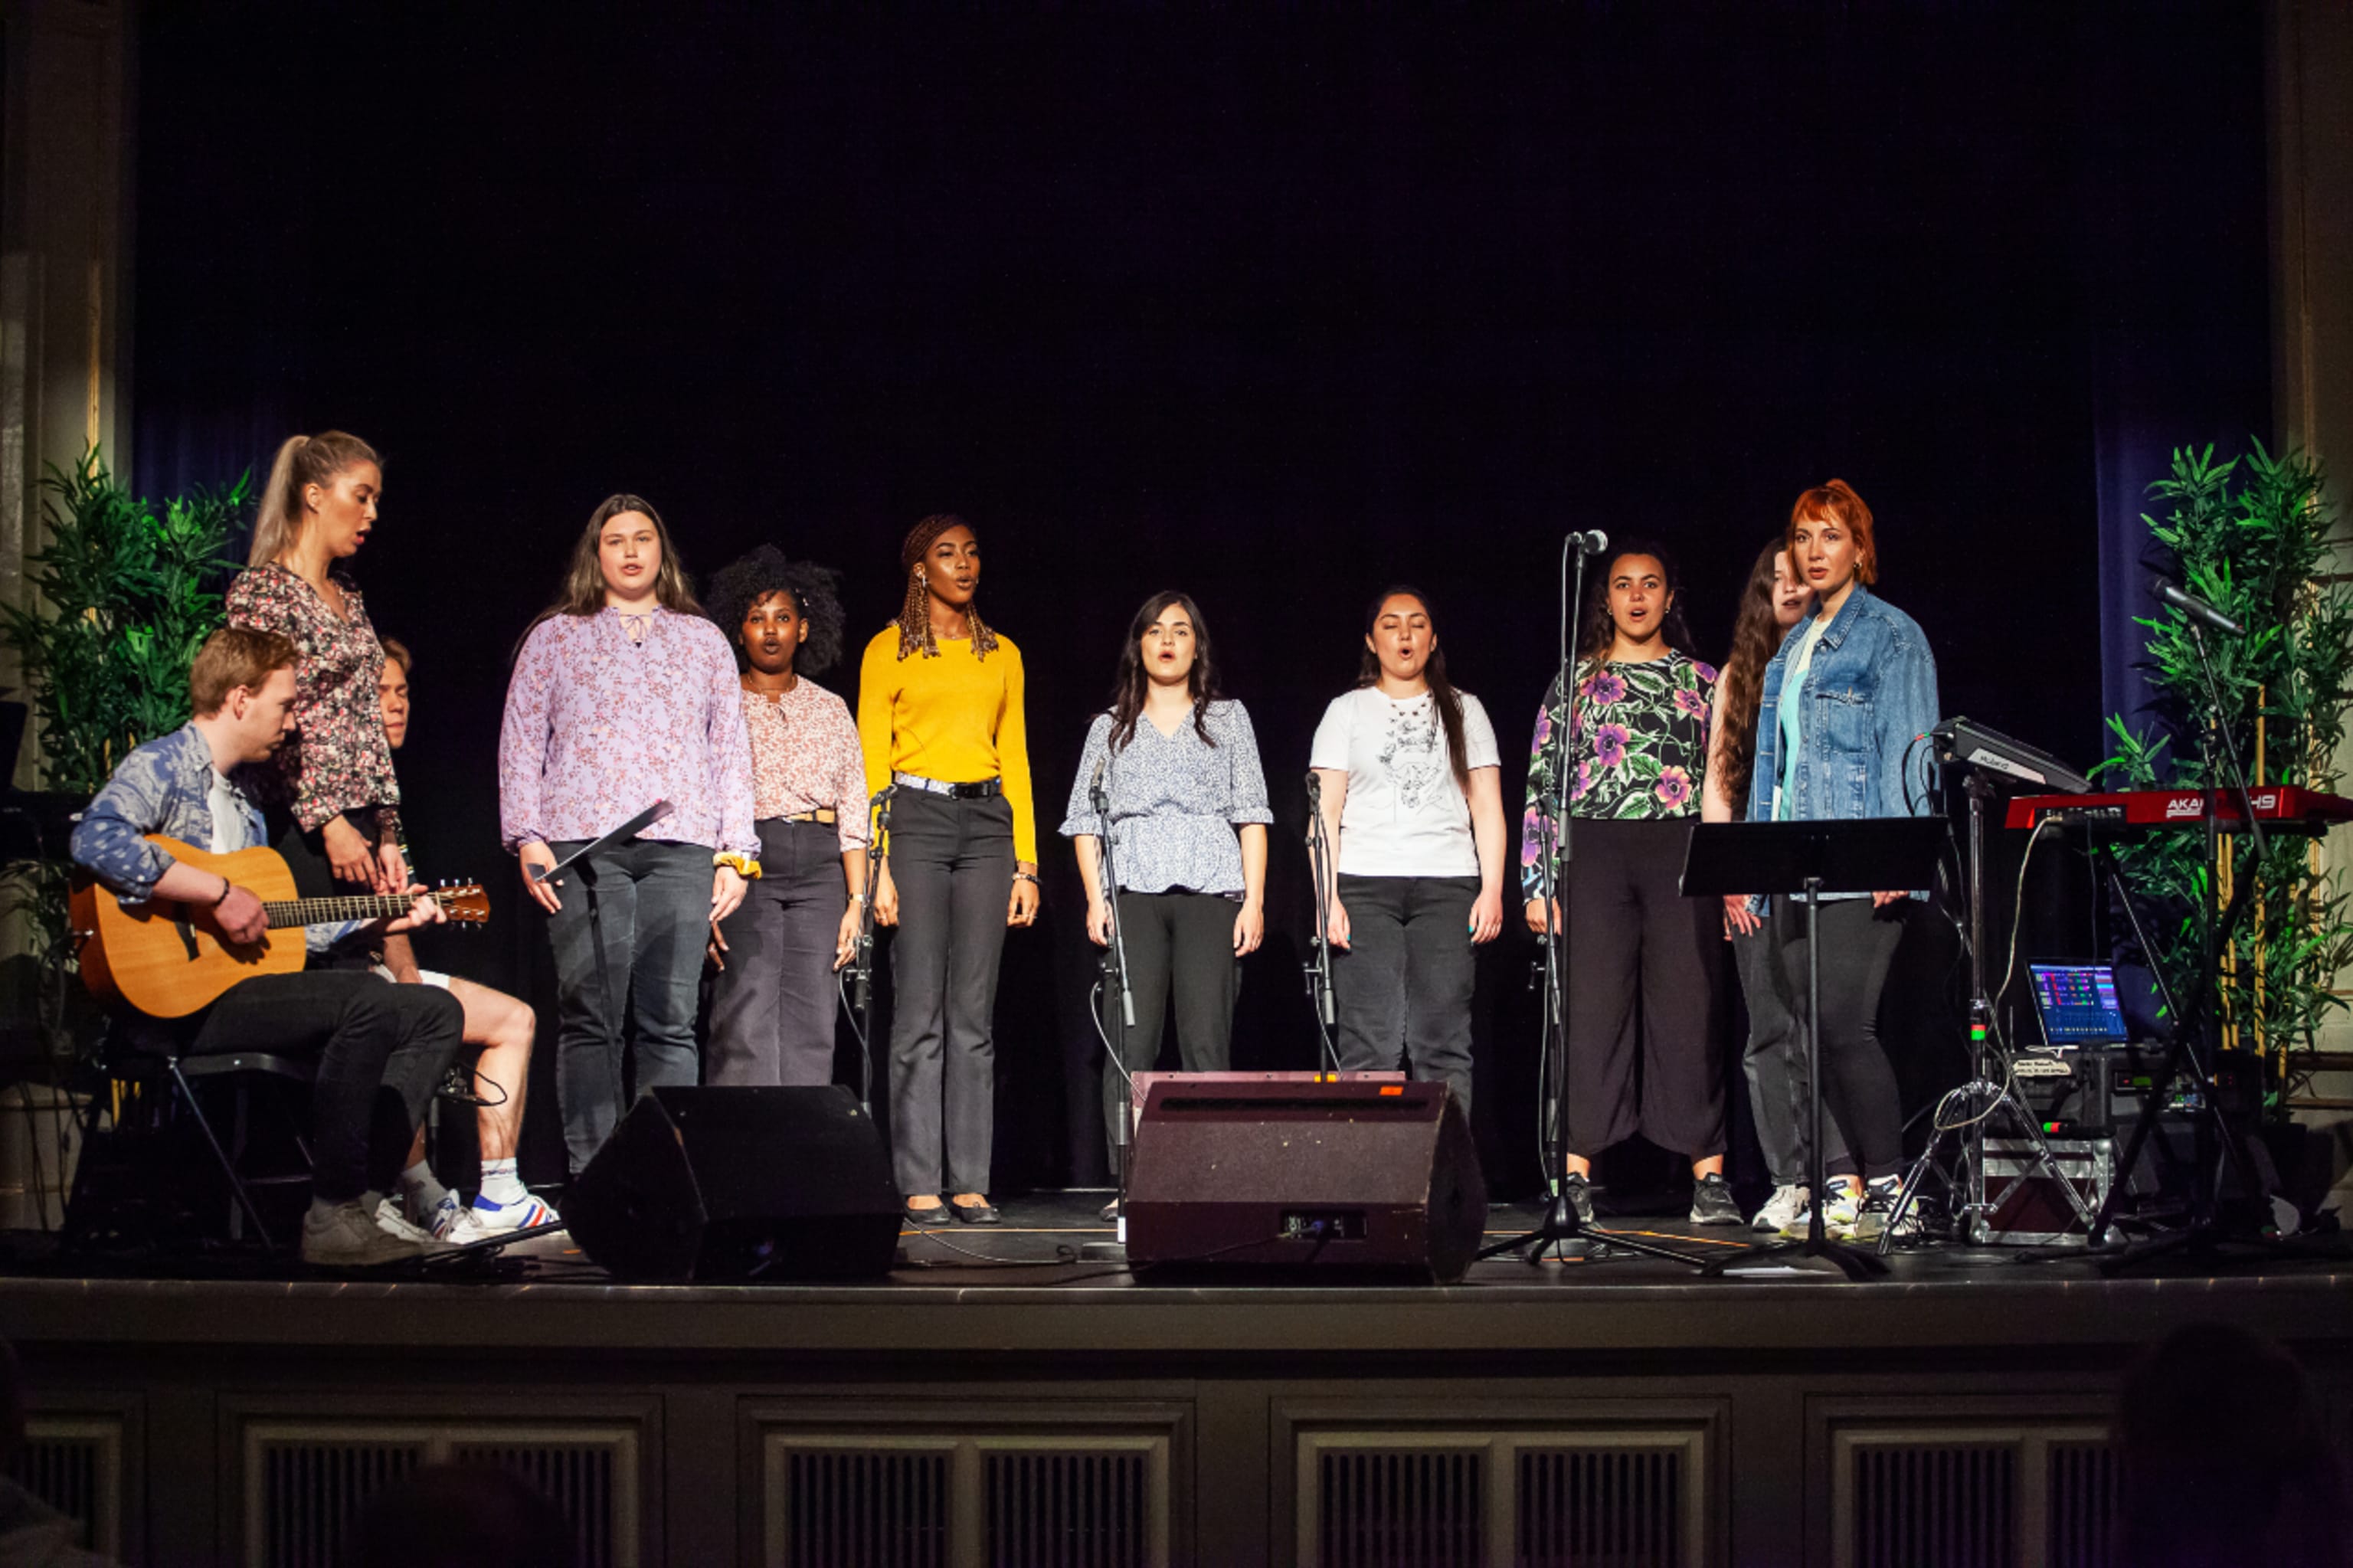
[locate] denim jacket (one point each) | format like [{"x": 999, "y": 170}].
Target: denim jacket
[
  {"x": 164, "y": 786},
  {"x": 1869, "y": 694}
]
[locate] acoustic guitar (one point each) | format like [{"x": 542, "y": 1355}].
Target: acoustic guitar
[{"x": 165, "y": 960}]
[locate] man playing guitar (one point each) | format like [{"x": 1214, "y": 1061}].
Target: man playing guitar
[{"x": 378, "y": 1047}]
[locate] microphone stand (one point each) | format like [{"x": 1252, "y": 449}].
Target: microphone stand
[
  {"x": 861, "y": 998},
  {"x": 1318, "y": 967},
  {"x": 1114, "y": 973},
  {"x": 1561, "y": 1224}
]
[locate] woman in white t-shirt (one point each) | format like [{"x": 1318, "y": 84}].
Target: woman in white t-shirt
[{"x": 1413, "y": 803}]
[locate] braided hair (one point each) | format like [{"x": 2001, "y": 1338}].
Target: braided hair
[{"x": 916, "y": 614}]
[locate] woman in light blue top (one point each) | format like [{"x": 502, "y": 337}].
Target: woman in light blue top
[
  {"x": 1178, "y": 768},
  {"x": 1846, "y": 704}
]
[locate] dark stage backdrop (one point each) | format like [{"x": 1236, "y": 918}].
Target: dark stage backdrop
[{"x": 1274, "y": 309}]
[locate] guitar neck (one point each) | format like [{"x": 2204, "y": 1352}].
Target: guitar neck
[{"x": 288, "y": 912}]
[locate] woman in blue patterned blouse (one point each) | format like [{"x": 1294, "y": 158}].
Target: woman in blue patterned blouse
[
  {"x": 1639, "y": 752},
  {"x": 1180, "y": 773}
]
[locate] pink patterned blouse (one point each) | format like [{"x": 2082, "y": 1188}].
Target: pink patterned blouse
[
  {"x": 599, "y": 727},
  {"x": 805, "y": 758},
  {"x": 337, "y": 760}
]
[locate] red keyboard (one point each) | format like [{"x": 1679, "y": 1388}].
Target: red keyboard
[{"x": 2286, "y": 803}]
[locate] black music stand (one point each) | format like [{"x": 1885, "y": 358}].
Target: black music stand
[{"x": 1807, "y": 859}]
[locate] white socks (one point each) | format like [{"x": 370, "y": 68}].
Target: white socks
[
  {"x": 500, "y": 1185},
  {"x": 423, "y": 1192}
]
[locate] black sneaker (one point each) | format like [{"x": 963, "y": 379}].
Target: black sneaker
[
  {"x": 1579, "y": 1192},
  {"x": 1711, "y": 1202}
]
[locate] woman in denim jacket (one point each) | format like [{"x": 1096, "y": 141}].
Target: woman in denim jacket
[{"x": 1845, "y": 746}]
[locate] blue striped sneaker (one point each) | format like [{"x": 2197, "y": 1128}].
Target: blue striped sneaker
[{"x": 519, "y": 1215}]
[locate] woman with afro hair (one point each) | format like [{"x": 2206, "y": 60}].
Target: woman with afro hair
[
  {"x": 772, "y": 1002},
  {"x": 939, "y": 714}
]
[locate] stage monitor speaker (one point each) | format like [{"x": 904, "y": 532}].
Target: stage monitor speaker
[
  {"x": 739, "y": 1184},
  {"x": 1334, "y": 1177}
]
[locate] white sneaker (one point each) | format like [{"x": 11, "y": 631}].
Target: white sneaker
[
  {"x": 495, "y": 1217},
  {"x": 1783, "y": 1209},
  {"x": 453, "y": 1223},
  {"x": 1838, "y": 1219},
  {"x": 392, "y": 1219},
  {"x": 1879, "y": 1204},
  {"x": 348, "y": 1236}
]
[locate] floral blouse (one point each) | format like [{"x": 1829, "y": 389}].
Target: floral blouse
[
  {"x": 1647, "y": 757},
  {"x": 805, "y": 758},
  {"x": 338, "y": 759}
]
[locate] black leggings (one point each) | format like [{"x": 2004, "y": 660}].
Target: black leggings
[{"x": 1858, "y": 1084}]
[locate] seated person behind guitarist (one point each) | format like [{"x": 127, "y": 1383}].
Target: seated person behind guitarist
[
  {"x": 368, "y": 1037},
  {"x": 500, "y": 1025}
]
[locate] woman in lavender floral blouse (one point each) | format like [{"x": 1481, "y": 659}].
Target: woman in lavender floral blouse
[
  {"x": 623, "y": 694},
  {"x": 1639, "y": 758}
]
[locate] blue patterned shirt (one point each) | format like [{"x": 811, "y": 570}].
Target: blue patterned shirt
[
  {"x": 165, "y": 787},
  {"x": 1175, "y": 800}
]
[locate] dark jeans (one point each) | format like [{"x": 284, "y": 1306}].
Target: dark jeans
[
  {"x": 1632, "y": 932},
  {"x": 1776, "y": 1083},
  {"x": 1402, "y": 986},
  {"x": 1187, "y": 940},
  {"x": 772, "y": 1007},
  {"x": 951, "y": 862},
  {"x": 380, "y": 1050},
  {"x": 1858, "y": 1084},
  {"x": 653, "y": 902}
]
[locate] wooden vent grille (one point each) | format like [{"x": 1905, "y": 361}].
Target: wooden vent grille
[
  {"x": 306, "y": 1481},
  {"x": 1974, "y": 1494},
  {"x": 1954, "y": 1506},
  {"x": 74, "y": 1466},
  {"x": 2083, "y": 1490},
  {"x": 1624, "y": 1507},
  {"x": 864, "y": 1508},
  {"x": 1613, "y": 1495},
  {"x": 577, "y": 1478},
  {"x": 310, "y": 1492},
  {"x": 1084, "y": 1509},
  {"x": 1425, "y": 1507}
]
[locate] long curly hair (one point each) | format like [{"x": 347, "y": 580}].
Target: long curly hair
[
  {"x": 1755, "y": 637},
  {"x": 915, "y": 612},
  {"x": 1442, "y": 690},
  {"x": 1128, "y": 692},
  {"x": 815, "y": 592},
  {"x": 1596, "y": 630}
]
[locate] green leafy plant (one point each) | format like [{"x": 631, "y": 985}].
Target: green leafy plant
[
  {"x": 128, "y": 591},
  {"x": 2253, "y": 538}
]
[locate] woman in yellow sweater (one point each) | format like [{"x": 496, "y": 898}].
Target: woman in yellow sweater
[{"x": 939, "y": 718}]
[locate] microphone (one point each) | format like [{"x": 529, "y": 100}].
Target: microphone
[
  {"x": 2196, "y": 609},
  {"x": 1314, "y": 789},
  {"x": 1593, "y": 541}
]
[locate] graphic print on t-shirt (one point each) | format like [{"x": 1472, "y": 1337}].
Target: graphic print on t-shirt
[{"x": 1413, "y": 751}]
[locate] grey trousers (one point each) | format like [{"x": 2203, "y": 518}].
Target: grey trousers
[
  {"x": 1183, "y": 941},
  {"x": 653, "y": 902},
  {"x": 772, "y": 1007},
  {"x": 951, "y": 862},
  {"x": 1776, "y": 1082},
  {"x": 1858, "y": 1082},
  {"x": 1401, "y": 989}
]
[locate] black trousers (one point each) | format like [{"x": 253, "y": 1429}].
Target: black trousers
[
  {"x": 951, "y": 862},
  {"x": 1184, "y": 942},
  {"x": 380, "y": 1049},
  {"x": 1401, "y": 989},
  {"x": 1634, "y": 934},
  {"x": 1858, "y": 1084},
  {"x": 772, "y": 1007}
]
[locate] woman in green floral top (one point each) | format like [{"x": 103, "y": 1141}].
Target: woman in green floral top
[{"x": 1638, "y": 755}]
